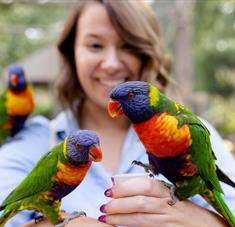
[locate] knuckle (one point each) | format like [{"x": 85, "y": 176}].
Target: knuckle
[
  {"x": 149, "y": 187},
  {"x": 141, "y": 203},
  {"x": 141, "y": 219}
]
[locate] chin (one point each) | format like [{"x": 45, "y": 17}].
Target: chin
[
  {"x": 107, "y": 90},
  {"x": 101, "y": 103}
]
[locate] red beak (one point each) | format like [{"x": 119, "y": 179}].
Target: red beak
[
  {"x": 95, "y": 153},
  {"x": 115, "y": 108},
  {"x": 14, "y": 79}
]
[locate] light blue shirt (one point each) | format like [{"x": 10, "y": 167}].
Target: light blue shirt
[{"x": 19, "y": 156}]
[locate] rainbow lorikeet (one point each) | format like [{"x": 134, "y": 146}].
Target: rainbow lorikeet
[
  {"x": 55, "y": 175},
  {"x": 16, "y": 103},
  {"x": 177, "y": 143}
]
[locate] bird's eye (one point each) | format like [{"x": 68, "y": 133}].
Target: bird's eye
[
  {"x": 131, "y": 95},
  {"x": 78, "y": 146}
]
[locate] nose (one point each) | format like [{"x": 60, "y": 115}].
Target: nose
[{"x": 112, "y": 61}]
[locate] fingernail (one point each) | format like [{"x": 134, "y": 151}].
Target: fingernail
[
  {"x": 103, "y": 208},
  {"x": 108, "y": 192},
  {"x": 102, "y": 218}
]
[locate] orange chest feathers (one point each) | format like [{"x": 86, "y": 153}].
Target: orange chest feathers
[
  {"x": 21, "y": 103},
  {"x": 162, "y": 137},
  {"x": 71, "y": 175}
]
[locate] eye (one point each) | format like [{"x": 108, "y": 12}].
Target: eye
[
  {"x": 130, "y": 96},
  {"x": 78, "y": 146},
  {"x": 127, "y": 46},
  {"x": 95, "y": 46}
]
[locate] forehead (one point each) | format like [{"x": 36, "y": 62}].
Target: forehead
[{"x": 95, "y": 20}]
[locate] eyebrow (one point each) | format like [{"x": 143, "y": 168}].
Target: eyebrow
[{"x": 93, "y": 35}]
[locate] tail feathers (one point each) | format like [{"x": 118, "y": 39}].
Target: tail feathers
[
  {"x": 215, "y": 199},
  {"x": 224, "y": 178},
  {"x": 5, "y": 216},
  {"x": 2, "y": 208}
]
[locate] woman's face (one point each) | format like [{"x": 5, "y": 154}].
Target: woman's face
[{"x": 102, "y": 58}]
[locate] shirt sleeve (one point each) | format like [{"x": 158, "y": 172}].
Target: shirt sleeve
[
  {"x": 17, "y": 158},
  {"x": 226, "y": 162}
]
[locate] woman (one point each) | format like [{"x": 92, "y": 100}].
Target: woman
[{"x": 104, "y": 43}]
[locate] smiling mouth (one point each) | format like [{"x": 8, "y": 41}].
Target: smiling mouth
[{"x": 112, "y": 83}]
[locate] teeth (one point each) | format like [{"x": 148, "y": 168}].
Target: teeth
[{"x": 112, "y": 83}]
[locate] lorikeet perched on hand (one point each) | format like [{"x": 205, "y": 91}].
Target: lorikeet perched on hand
[
  {"x": 16, "y": 103},
  {"x": 177, "y": 142},
  {"x": 55, "y": 175}
]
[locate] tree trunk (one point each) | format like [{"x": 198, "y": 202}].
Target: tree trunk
[{"x": 183, "y": 62}]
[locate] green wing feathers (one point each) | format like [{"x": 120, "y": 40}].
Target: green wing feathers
[
  {"x": 203, "y": 156},
  {"x": 42, "y": 176},
  {"x": 3, "y": 110},
  {"x": 4, "y": 133}
]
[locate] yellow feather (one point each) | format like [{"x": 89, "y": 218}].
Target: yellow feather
[
  {"x": 153, "y": 95},
  {"x": 64, "y": 147}
]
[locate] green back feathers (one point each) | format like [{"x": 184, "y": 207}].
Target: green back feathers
[
  {"x": 3, "y": 110},
  {"x": 39, "y": 179},
  {"x": 203, "y": 156},
  {"x": 4, "y": 132},
  {"x": 200, "y": 134},
  {"x": 161, "y": 103}
]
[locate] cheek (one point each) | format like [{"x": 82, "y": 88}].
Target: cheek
[
  {"x": 134, "y": 65},
  {"x": 83, "y": 64}
]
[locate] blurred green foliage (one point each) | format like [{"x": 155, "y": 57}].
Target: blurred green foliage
[
  {"x": 214, "y": 46},
  {"x": 214, "y": 61},
  {"x": 215, "y": 71},
  {"x": 26, "y": 27}
]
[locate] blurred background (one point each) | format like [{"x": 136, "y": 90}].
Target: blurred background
[{"x": 198, "y": 34}]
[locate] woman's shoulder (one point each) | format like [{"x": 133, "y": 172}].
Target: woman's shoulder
[
  {"x": 37, "y": 123},
  {"x": 32, "y": 139}
]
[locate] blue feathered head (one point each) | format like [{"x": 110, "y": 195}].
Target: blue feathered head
[
  {"x": 16, "y": 78},
  {"x": 134, "y": 99},
  {"x": 82, "y": 146}
]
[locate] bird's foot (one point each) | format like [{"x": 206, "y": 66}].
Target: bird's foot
[
  {"x": 172, "y": 192},
  {"x": 71, "y": 216},
  {"x": 38, "y": 219},
  {"x": 147, "y": 168}
]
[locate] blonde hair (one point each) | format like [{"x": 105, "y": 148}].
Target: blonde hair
[{"x": 136, "y": 24}]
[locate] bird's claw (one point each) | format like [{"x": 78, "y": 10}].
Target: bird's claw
[
  {"x": 71, "y": 216},
  {"x": 172, "y": 192},
  {"x": 146, "y": 167},
  {"x": 38, "y": 218}
]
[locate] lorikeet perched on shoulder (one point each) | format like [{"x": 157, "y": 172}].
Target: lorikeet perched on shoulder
[
  {"x": 16, "y": 103},
  {"x": 177, "y": 142},
  {"x": 55, "y": 175}
]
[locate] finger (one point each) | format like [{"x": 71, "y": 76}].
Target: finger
[
  {"x": 86, "y": 222},
  {"x": 137, "y": 204},
  {"x": 136, "y": 219},
  {"x": 140, "y": 186}
]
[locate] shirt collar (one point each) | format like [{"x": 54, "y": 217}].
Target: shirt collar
[
  {"x": 132, "y": 150},
  {"x": 65, "y": 123}
]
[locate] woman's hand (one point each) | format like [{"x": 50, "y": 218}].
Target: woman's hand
[
  {"x": 79, "y": 221},
  {"x": 143, "y": 202}
]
